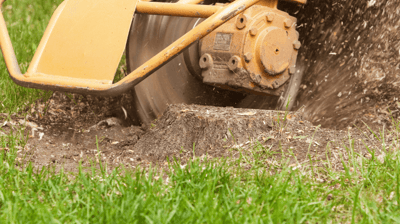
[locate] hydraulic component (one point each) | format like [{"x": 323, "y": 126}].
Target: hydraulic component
[{"x": 254, "y": 52}]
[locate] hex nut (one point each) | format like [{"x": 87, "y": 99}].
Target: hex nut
[
  {"x": 255, "y": 77},
  {"x": 288, "y": 23},
  {"x": 275, "y": 84},
  {"x": 296, "y": 45},
  {"x": 253, "y": 31},
  {"x": 233, "y": 63},
  {"x": 248, "y": 56},
  {"x": 241, "y": 21},
  {"x": 292, "y": 70},
  {"x": 270, "y": 17},
  {"x": 206, "y": 61}
]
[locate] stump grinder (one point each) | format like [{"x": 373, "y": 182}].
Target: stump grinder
[{"x": 240, "y": 53}]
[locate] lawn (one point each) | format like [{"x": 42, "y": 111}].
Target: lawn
[
  {"x": 26, "y": 21},
  {"x": 227, "y": 190}
]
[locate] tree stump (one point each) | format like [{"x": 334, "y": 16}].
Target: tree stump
[{"x": 205, "y": 129}]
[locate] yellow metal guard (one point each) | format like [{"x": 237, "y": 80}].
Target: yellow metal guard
[{"x": 85, "y": 39}]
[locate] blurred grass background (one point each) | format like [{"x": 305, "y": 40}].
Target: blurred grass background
[{"x": 26, "y": 21}]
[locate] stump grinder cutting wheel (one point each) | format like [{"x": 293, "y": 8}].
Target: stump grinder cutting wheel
[{"x": 241, "y": 53}]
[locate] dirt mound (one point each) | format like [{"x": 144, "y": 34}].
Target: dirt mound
[{"x": 77, "y": 129}]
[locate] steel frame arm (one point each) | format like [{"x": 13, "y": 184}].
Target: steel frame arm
[{"x": 177, "y": 9}]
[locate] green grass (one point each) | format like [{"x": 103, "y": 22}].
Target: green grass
[
  {"x": 218, "y": 191},
  {"x": 26, "y": 22}
]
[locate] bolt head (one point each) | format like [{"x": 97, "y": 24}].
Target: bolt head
[
  {"x": 256, "y": 78},
  {"x": 288, "y": 23},
  {"x": 270, "y": 17},
  {"x": 248, "y": 56},
  {"x": 253, "y": 31},
  {"x": 296, "y": 44}
]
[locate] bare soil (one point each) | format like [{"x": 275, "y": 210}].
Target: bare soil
[{"x": 70, "y": 129}]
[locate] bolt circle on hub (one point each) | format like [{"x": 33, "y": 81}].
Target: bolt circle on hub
[
  {"x": 248, "y": 56},
  {"x": 253, "y": 31},
  {"x": 272, "y": 49},
  {"x": 270, "y": 17},
  {"x": 296, "y": 45},
  {"x": 288, "y": 23}
]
